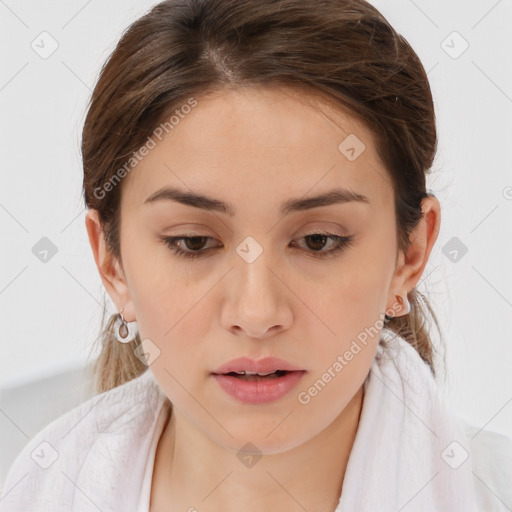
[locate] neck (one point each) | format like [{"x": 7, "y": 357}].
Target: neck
[{"x": 193, "y": 472}]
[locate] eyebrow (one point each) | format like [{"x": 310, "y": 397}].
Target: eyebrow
[{"x": 336, "y": 196}]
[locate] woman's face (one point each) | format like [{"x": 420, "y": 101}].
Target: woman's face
[{"x": 262, "y": 284}]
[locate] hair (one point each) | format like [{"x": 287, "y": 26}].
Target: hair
[{"x": 343, "y": 50}]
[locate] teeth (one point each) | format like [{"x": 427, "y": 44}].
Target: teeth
[{"x": 255, "y": 373}]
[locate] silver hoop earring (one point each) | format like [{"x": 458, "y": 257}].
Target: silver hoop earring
[{"x": 125, "y": 331}]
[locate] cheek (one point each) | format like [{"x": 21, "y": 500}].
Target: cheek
[
  {"x": 343, "y": 343},
  {"x": 174, "y": 317},
  {"x": 156, "y": 283},
  {"x": 165, "y": 312},
  {"x": 348, "y": 306},
  {"x": 331, "y": 386},
  {"x": 349, "y": 297}
]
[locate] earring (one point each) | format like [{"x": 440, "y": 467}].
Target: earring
[
  {"x": 404, "y": 303},
  {"x": 124, "y": 331}
]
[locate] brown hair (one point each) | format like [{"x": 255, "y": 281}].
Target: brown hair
[{"x": 345, "y": 50}]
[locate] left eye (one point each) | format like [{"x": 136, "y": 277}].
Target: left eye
[{"x": 195, "y": 244}]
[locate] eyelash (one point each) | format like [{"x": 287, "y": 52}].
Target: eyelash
[{"x": 342, "y": 242}]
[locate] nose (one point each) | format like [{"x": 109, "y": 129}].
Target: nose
[{"x": 257, "y": 302}]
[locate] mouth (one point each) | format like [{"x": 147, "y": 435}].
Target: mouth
[
  {"x": 250, "y": 376},
  {"x": 258, "y": 387},
  {"x": 267, "y": 367}
]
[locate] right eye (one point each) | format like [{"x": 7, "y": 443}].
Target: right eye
[{"x": 193, "y": 244}]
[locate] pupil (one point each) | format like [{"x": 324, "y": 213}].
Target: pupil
[
  {"x": 190, "y": 242},
  {"x": 317, "y": 238}
]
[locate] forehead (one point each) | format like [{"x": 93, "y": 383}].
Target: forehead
[{"x": 260, "y": 142}]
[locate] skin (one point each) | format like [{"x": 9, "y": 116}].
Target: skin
[{"x": 256, "y": 149}]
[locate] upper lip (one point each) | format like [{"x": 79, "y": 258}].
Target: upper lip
[{"x": 265, "y": 365}]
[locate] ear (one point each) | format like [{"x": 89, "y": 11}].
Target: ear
[
  {"x": 109, "y": 268},
  {"x": 412, "y": 262}
]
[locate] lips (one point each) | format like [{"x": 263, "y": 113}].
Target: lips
[
  {"x": 265, "y": 366},
  {"x": 254, "y": 390}
]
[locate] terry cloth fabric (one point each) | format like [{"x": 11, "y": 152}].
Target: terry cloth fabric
[
  {"x": 410, "y": 452},
  {"x": 92, "y": 458}
]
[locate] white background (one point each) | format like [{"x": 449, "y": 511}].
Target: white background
[{"x": 50, "y": 312}]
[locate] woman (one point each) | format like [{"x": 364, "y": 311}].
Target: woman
[{"x": 255, "y": 177}]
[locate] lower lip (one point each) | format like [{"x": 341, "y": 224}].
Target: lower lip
[{"x": 259, "y": 391}]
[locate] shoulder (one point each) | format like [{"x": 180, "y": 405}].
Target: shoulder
[
  {"x": 491, "y": 459},
  {"x": 47, "y": 469}
]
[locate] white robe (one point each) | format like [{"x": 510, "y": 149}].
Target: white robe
[{"x": 410, "y": 453}]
